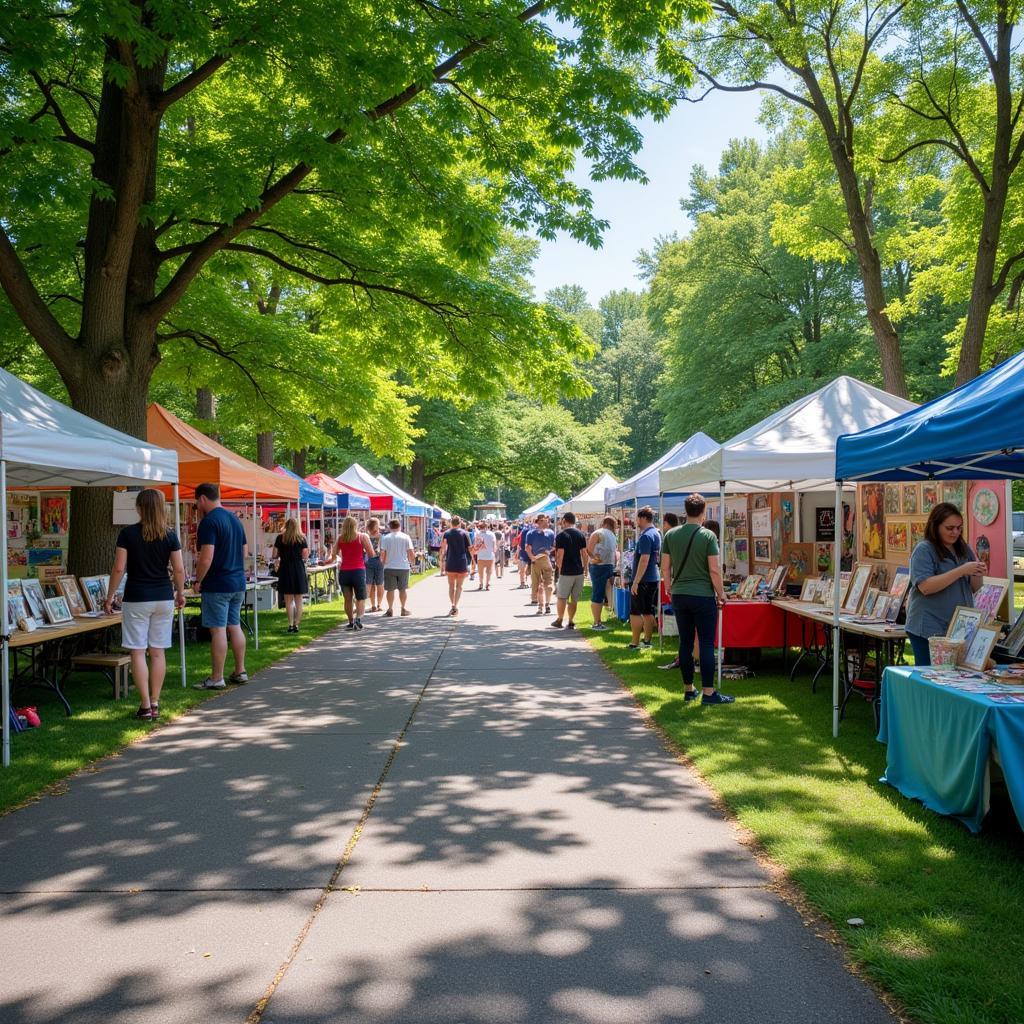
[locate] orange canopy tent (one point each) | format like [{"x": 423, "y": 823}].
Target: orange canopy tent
[{"x": 203, "y": 460}]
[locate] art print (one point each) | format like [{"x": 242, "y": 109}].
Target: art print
[
  {"x": 989, "y": 597},
  {"x": 35, "y": 600},
  {"x": 53, "y": 514},
  {"x": 964, "y": 624},
  {"x": 762, "y": 549},
  {"x": 1015, "y": 638},
  {"x": 57, "y": 611},
  {"x": 859, "y": 581},
  {"x": 892, "y": 499},
  {"x": 976, "y": 652},
  {"x": 823, "y": 558},
  {"x": 69, "y": 591},
  {"x": 778, "y": 581},
  {"x": 953, "y": 491},
  {"x": 910, "y": 501},
  {"x": 873, "y": 527},
  {"x": 808, "y": 589},
  {"x": 929, "y": 497},
  {"x": 870, "y": 600},
  {"x": 916, "y": 532},
  {"x": 95, "y": 590},
  {"x": 15, "y": 611},
  {"x": 896, "y": 534},
  {"x": 985, "y": 506},
  {"x": 742, "y": 553},
  {"x": 761, "y": 522}
]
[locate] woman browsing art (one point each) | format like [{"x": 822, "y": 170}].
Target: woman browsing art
[{"x": 944, "y": 573}]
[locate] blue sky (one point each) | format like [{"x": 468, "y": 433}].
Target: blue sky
[{"x": 638, "y": 214}]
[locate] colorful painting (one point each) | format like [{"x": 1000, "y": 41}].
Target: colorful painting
[
  {"x": 54, "y": 514},
  {"x": 954, "y": 492},
  {"x": 44, "y": 556},
  {"x": 989, "y": 597},
  {"x": 929, "y": 497},
  {"x": 909, "y": 500},
  {"x": 892, "y": 499},
  {"x": 896, "y": 535},
  {"x": 799, "y": 561},
  {"x": 964, "y": 624},
  {"x": 872, "y": 543},
  {"x": 985, "y": 506},
  {"x": 916, "y": 532},
  {"x": 762, "y": 549},
  {"x": 95, "y": 589},
  {"x": 69, "y": 590},
  {"x": 57, "y": 610},
  {"x": 742, "y": 553},
  {"x": 823, "y": 558}
]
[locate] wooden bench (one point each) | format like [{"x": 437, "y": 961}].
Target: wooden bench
[{"x": 114, "y": 666}]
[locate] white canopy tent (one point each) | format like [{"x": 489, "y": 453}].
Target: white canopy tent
[
  {"x": 361, "y": 479},
  {"x": 643, "y": 486},
  {"x": 591, "y": 499},
  {"x": 794, "y": 449},
  {"x": 45, "y": 444},
  {"x": 547, "y": 504}
]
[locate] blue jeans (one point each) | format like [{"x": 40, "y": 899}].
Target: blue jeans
[
  {"x": 700, "y": 614},
  {"x": 919, "y": 645}
]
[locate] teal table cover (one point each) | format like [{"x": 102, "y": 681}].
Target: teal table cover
[{"x": 939, "y": 739}]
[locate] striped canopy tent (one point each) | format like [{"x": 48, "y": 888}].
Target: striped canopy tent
[
  {"x": 362, "y": 481},
  {"x": 348, "y": 500}
]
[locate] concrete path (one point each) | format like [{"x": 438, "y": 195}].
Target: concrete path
[{"x": 431, "y": 821}]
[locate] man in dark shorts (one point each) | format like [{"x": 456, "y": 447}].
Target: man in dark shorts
[
  {"x": 644, "y": 591},
  {"x": 455, "y": 557},
  {"x": 571, "y": 561}
]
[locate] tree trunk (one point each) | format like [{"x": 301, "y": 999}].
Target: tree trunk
[
  {"x": 418, "y": 470},
  {"x": 206, "y": 409},
  {"x": 265, "y": 448},
  {"x": 299, "y": 461}
]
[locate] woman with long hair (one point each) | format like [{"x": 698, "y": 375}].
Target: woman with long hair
[
  {"x": 351, "y": 552},
  {"x": 375, "y": 567},
  {"x": 944, "y": 573},
  {"x": 292, "y": 582},
  {"x": 145, "y": 550}
]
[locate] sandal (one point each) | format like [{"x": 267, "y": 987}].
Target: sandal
[
  {"x": 155, "y": 709},
  {"x": 144, "y": 714}
]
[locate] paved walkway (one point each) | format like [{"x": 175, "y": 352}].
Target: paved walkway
[{"x": 507, "y": 841}]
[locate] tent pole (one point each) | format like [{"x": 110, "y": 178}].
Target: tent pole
[
  {"x": 1008, "y": 506},
  {"x": 255, "y": 578},
  {"x": 837, "y": 546},
  {"x": 5, "y": 670},
  {"x": 721, "y": 611},
  {"x": 661, "y": 605},
  {"x": 181, "y": 611}
]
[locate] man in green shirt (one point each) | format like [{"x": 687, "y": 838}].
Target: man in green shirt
[{"x": 690, "y": 561}]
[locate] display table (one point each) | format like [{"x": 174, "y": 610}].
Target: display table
[
  {"x": 752, "y": 624},
  {"x": 322, "y": 581},
  {"x": 940, "y": 741}
]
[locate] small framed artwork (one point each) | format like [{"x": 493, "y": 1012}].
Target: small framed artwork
[
  {"x": 1015, "y": 638},
  {"x": 95, "y": 590},
  {"x": 909, "y": 502},
  {"x": 57, "y": 611},
  {"x": 870, "y": 600},
  {"x": 761, "y": 523},
  {"x": 976, "y": 652},
  {"x": 799, "y": 561},
  {"x": 916, "y": 532},
  {"x": 762, "y": 549},
  {"x": 859, "y": 581},
  {"x": 823, "y": 558},
  {"x": 892, "y": 499},
  {"x": 35, "y": 599},
  {"x": 778, "y": 580},
  {"x": 929, "y": 497},
  {"x": 748, "y": 588},
  {"x": 15, "y": 610},
  {"x": 808, "y": 589},
  {"x": 990, "y": 596},
  {"x": 964, "y": 624},
  {"x": 896, "y": 534},
  {"x": 69, "y": 591},
  {"x": 954, "y": 492}
]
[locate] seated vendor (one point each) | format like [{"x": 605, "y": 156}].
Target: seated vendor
[{"x": 944, "y": 573}]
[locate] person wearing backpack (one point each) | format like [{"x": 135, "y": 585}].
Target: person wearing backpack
[{"x": 690, "y": 560}]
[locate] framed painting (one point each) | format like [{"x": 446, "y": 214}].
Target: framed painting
[
  {"x": 95, "y": 590},
  {"x": 976, "y": 653},
  {"x": 896, "y": 536},
  {"x": 892, "y": 499},
  {"x": 872, "y": 535},
  {"x": 929, "y": 496},
  {"x": 964, "y": 624},
  {"x": 910, "y": 500},
  {"x": 57, "y": 611},
  {"x": 35, "y": 599},
  {"x": 762, "y": 549},
  {"x": 990, "y": 596},
  {"x": 1015, "y": 638},
  {"x": 859, "y": 580},
  {"x": 68, "y": 586},
  {"x": 798, "y": 560},
  {"x": 916, "y": 532},
  {"x": 823, "y": 558},
  {"x": 955, "y": 493}
]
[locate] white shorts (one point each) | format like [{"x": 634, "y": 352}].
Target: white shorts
[{"x": 146, "y": 624}]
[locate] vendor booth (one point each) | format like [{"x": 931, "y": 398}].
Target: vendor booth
[
  {"x": 241, "y": 482},
  {"x": 789, "y": 452},
  {"x": 44, "y": 444},
  {"x": 416, "y": 513},
  {"x": 642, "y": 488},
  {"x": 942, "y": 734},
  {"x": 313, "y": 499},
  {"x": 362, "y": 481},
  {"x": 589, "y": 503},
  {"x": 547, "y": 506},
  {"x": 347, "y": 499}
]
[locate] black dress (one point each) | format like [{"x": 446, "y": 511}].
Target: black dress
[{"x": 291, "y": 573}]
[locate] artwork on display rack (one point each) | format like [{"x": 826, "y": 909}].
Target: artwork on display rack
[
  {"x": 964, "y": 624},
  {"x": 985, "y": 506},
  {"x": 870, "y": 600},
  {"x": 742, "y": 553},
  {"x": 778, "y": 580},
  {"x": 916, "y": 532},
  {"x": 786, "y": 505},
  {"x": 69, "y": 590},
  {"x": 1015, "y": 638},
  {"x": 44, "y": 556},
  {"x": 808, "y": 589},
  {"x": 95, "y": 590},
  {"x": 761, "y": 523},
  {"x": 14, "y": 590},
  {"x": 873, "y": 527},
  {"x": 929, "y": 496},
  {"x": 898, "y": 593},
  {"x": 762, "y": 549},
  {"x": 761, "y": 501},
  {"x": 57, "y": 611},
  {"x": 909, "y": 501},
  {"x": 15, "y": 612},
  {"x": 35, "y": 600},
  {"x": 822, "y": 558},
  {"x": 53, "y": 514},
  {"x": 990, "y": 596},
  {"x": 824, "y": 523},
  {"x": 953, "y": 491},
  {"x": 976, "y": 653},
  {"x": 859, "y": 580},
  {"x": 747, "y": 590},
  {"x": 799, "y": 561},
  {"x": 896, "y": 534},
  {"x": 892, "y": 499}
]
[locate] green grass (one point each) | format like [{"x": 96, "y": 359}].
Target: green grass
[
  {"x": 101, "y": 725},
  {"x": 943, "y": 910}
]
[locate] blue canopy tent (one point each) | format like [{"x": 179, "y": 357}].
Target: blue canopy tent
[
  {"x": 975, "y": 432},
  {"x": 312, "y": 497},
  {"x": 546, "y": 506}
]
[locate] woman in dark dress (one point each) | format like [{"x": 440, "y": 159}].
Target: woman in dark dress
[{"x": 292, "y": 582}]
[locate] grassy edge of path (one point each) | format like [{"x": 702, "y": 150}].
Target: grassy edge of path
[
  {"x": 43, "y": 759},
  {"x": 942, "y": 908}
]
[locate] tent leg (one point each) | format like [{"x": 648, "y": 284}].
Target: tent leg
[
  {"x": 255, "y": 578},
  {"x": 181, "y": 611},
  {"x": 721, "y": 611},
  {"x": 661, "y": 605},
  {"x": 837, "y": 548},
  {"x": 5, "y": 669},
  {"x": 1008, "y": 505}
]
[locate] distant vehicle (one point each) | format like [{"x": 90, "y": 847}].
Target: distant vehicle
[{"x": 1018, "y": 534}]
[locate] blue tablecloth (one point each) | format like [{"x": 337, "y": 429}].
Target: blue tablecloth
[{"x": 939, "y": 740}]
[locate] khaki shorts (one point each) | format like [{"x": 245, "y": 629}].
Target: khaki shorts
[
  {"x": 541, "y": 572},
  {"x": 570, "y": 588}
]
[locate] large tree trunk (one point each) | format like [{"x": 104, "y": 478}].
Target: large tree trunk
[
  {"x": 206, "y": 409},
  {"x": 418, "y": 472},
  {"x": 265, "y": 448},
  {"x": 299, "y": 462}
]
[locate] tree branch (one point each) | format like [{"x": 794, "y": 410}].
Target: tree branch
[
  {"x": 70, "y": 135},
  {"x": 180, "y": 89},
  {"x": 752, "y": 87},
  {"x": 1004, "y": 273}
]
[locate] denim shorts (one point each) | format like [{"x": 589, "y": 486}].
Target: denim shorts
[
  {"x": 354, "y": 580},
  {"x": 599, "y": 577},
  {"x": 220, "y": 610},
  {"x": 374, "y": 572}
]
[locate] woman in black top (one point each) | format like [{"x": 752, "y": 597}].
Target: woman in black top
[
  {"x": 147, "y": 612},
  {"x": 292, "y": 581}
]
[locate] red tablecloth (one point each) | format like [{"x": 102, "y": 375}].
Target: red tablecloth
[{"x": 760, "y": 624}]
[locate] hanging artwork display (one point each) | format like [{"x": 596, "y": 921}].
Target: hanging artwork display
[
  {"x": 896, "y": 535},
  {"x": 892, "y": 499},
  {"x": 762, "y": 549},
  {"x": 953, "y": 492},
  {"x": 929, "y": 496},
  {"x": 761, "y": 523},
  {"x": 909, "y": 500},
  {"x": 822, "y": 558},
  {"x": 53, "y": 514},
  {"x": 873, "y": 524},
  {"x": 799, "y": 561}
]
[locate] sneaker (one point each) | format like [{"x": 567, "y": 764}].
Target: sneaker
[
  {"x": 645, "y": 644},
  {"x": 540, "y": 610},
  {"x": 547, "y": 609},
  {"x": 359, "y": 623},
  {"x": 633, "y": 647},
  {"x": 690, "y": 694},
  {"x": 351, "y": 625},
  {"x": 670, "y": 665},
  {"x": 557, "y": 624},
  {"x": 717, "y": 698},
  {"x": 389, "y": 614},
  {"x": 570, "y": 625},
  {"x": 240, "y": 678},
  {"x": 405, "y": 611},
  {"x": 599, "y": 627},
  {"x": 210, "y": 684}
]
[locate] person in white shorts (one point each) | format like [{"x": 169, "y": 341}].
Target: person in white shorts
[
  {"x": 485, "y": 548},
  {"x": 398, "y": 554},
  {"x": 145, "y": 550}
]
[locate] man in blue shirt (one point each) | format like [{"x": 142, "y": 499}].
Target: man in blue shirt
[
  {"x": 220, "y": 580},
  {"x": 644, "y": 592},
  {"x": 540, "y": 542}
]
